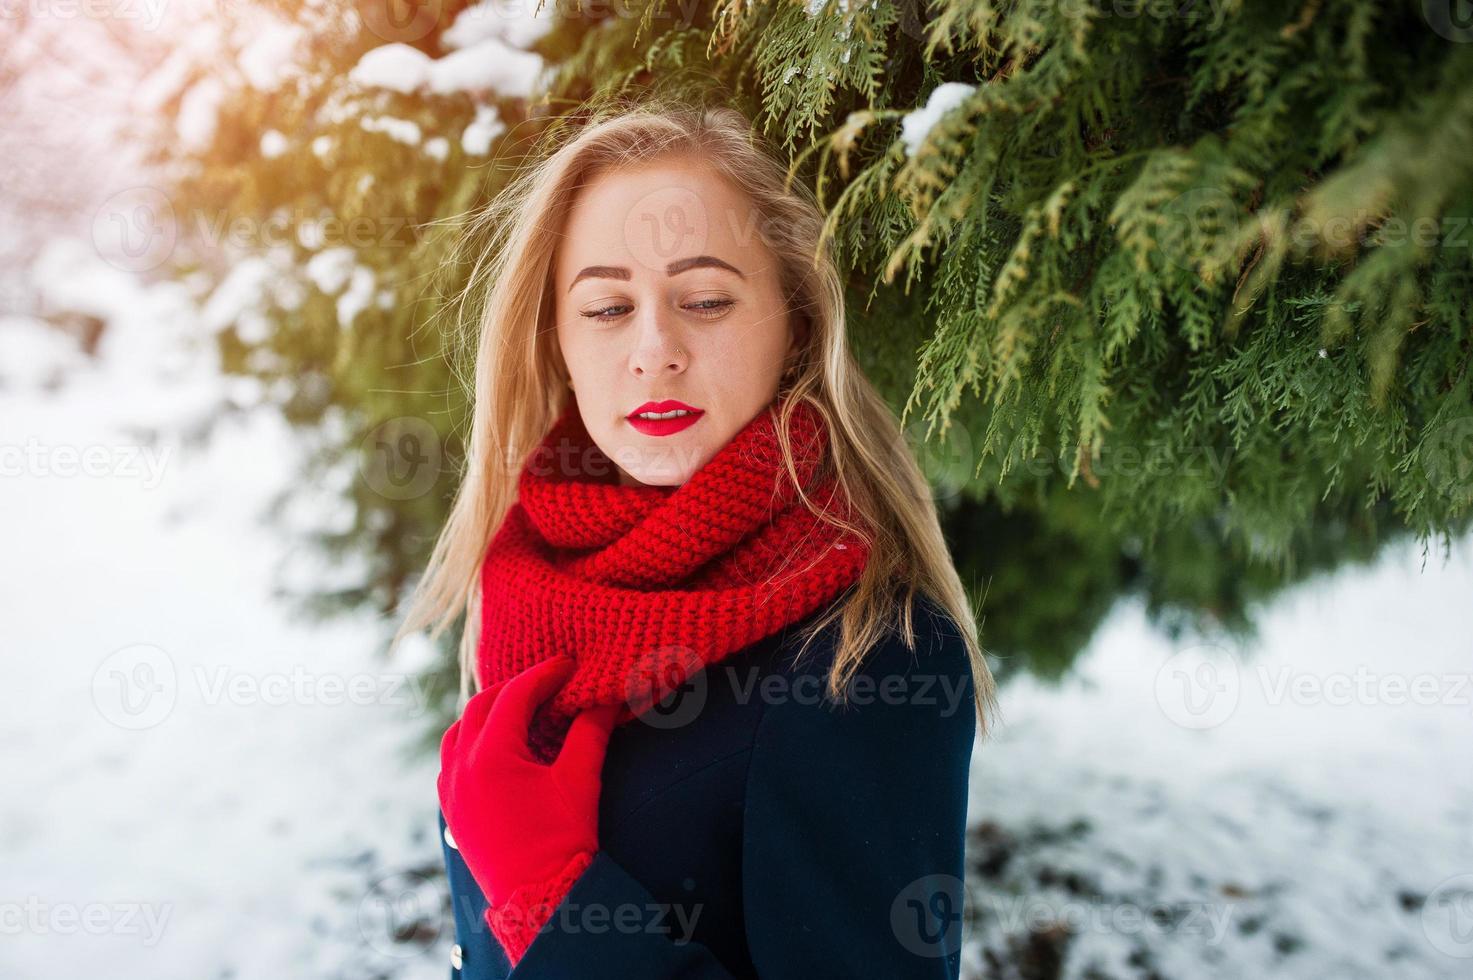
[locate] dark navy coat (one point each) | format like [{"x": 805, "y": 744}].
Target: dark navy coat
[{"x": 753, "y": 828}]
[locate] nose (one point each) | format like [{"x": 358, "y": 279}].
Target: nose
[{"x": 657, "y": 351}]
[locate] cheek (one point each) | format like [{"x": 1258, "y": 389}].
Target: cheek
[
  {"x": 757, "y": 348},
  {"x": 577, "y": 346},
  {"x": 744, "y": 355}
]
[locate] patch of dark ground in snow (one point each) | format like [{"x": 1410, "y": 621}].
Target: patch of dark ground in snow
[
  {"x": 1030, "y": 891},
  {"x": 388, "y": 923}
]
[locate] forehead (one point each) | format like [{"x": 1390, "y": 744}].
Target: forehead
[{"x": 646, "y": 215}]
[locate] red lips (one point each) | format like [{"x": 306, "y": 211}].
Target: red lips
[{"x": 664, "y": 427}]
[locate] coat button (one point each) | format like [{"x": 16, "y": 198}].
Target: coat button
[
  {"x": 455, "y": 956},
  {"x": 450, "y": 840}
]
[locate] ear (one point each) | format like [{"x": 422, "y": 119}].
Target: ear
[
  {"x": 797, "y": 334},
  {"x": 560, "y": 368}
]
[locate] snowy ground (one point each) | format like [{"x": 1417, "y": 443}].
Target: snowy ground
[
  {"x": 1300, "y": 809},
  {"x": 196, "y": 785}
]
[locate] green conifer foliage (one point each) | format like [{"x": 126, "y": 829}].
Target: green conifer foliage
[{"x": 1174, "y": 296}]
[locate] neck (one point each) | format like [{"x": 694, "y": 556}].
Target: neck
[{"x": 625, "y": 480}]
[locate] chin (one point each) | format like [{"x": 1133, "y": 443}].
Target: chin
[
  {"x": 662, "y": 465},
  {"x": 670, "y": 472},
  {"x": 660, "y": 478}
]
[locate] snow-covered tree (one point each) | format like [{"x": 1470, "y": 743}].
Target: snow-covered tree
[{"x": 1174, "y": 296}]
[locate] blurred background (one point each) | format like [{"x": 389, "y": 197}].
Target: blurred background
[{"x": 1174, "y": 300}]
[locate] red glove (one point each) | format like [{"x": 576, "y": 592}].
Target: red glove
[{"x": 526, "y": 830}]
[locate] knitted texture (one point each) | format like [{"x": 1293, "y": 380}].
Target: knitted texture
[
  {"x": 516, "y": 922},
  {"x": 644, "y": 586}
]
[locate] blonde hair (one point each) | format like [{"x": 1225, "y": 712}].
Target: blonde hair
[{"x": 520, "y": 385}]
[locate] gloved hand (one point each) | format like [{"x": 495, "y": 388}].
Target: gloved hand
[{"x": 526, "y": 830}]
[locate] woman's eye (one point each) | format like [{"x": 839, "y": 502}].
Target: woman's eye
[
  {"x": 606, "y": 313},
  {"x": 708, "y": 308}
]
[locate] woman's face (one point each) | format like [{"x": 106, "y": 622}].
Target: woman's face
[{"x": 666, "y": 292}]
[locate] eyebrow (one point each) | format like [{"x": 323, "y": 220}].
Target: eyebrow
[{"x": 674, "y": 268}]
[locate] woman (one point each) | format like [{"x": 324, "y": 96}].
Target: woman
[{"x": 728, "y": 681}]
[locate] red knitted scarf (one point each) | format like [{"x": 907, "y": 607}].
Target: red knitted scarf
[{"x": 643, "y": 586}]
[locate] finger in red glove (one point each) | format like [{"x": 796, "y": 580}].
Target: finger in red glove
[{"x": 526, "y": 830}]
